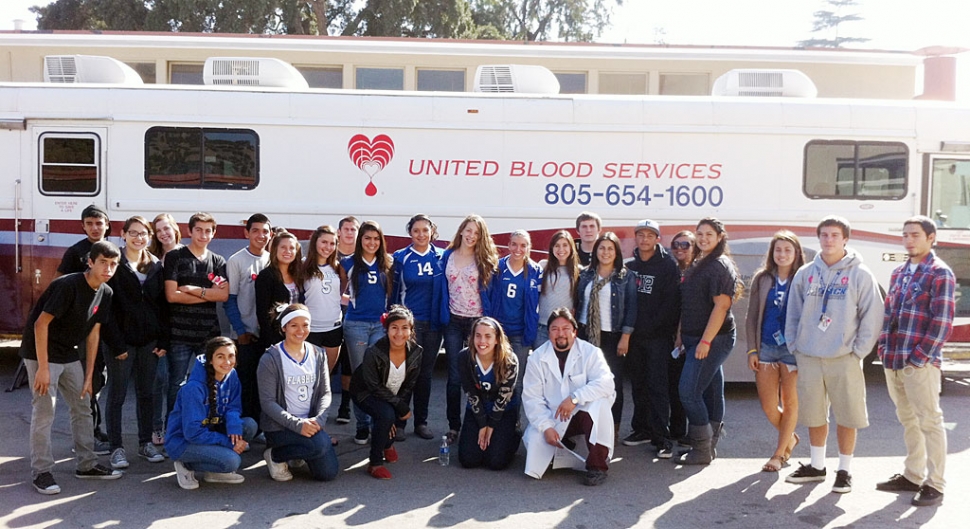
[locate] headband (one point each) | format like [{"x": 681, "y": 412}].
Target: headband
[{"x": 295, "y": 314}]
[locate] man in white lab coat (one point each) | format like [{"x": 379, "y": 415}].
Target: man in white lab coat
[{"x": 568, "y": 391}]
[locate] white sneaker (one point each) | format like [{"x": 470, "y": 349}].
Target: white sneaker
[
  {"x": 185, "y": 477},
  {"x": 119, "y": 459},
  {"x": 277, "y": 471},
  {"x": 220, "y": 477}
]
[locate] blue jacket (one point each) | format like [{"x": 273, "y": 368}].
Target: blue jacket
[
  {"x": 531, "y": 299},
  {"x": 192, "y": 407},
  {"x": 623, "y": 297},
  {"x": 398, "y": 290},
  {"x": 443, "y": 299}
]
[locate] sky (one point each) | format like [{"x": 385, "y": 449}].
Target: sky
[{"x": 902, "y": 25}]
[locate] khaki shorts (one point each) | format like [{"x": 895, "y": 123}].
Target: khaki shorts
[{"x": 831, "y": 382}]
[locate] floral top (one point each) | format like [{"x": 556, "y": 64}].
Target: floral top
[{"x": 463, "y": 296}]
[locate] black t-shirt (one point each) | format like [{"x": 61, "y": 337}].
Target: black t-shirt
[
  {"x": 698, "y": 290},
  {"x": 584, "y": 256},
  {"x": 76, "y": 308},
  {"x": 75, "y": 258},
  {"x": 193, "y": 324}
]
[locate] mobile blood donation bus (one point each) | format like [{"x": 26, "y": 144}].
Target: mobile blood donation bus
[{"x": 307, "y": 157}]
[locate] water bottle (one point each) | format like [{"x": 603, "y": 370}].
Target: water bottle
[{"x": 444, "y": 453}]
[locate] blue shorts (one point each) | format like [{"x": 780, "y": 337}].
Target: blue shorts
[{"x": 774, "y": 353}]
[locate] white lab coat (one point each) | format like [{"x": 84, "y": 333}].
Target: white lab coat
[{"x": 586, "y": 376}]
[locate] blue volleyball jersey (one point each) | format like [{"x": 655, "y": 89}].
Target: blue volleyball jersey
[
  {"x": 415, "y": 274},
  {"x": 512, "y": 289},
  {"x": 368, "y": 297}
]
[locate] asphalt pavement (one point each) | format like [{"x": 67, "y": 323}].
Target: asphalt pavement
[{"x": 641, "y": 491}]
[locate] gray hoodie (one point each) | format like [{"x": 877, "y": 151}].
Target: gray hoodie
[{"x": 854, "y": 306}]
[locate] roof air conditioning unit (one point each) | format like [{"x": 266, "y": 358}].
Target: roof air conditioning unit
[
  {"x": 515, "y": 78},
  {"x": 252, "y": 71},
  {"x": 764, "y": 83},
  {"x": 88, "y": 69}
]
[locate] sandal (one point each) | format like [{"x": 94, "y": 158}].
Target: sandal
[
  {"x": 774, "y": 464},
  {"x": 791, "y": 448}
]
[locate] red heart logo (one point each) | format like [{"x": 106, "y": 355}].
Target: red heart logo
[
  {"x": 94, "y": 310},
  {"x": 371, "y": 156}
]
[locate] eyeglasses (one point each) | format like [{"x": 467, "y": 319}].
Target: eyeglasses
[
  {"x": 138, "y": 234},
  {"x": 680, "y": 245}
]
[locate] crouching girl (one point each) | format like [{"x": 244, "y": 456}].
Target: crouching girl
[{"x": 206, "y": 430}]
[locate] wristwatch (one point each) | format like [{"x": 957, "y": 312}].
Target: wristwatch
[{"x": 574, "y": 400}]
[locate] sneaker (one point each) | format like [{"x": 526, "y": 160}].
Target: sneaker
[
  {"x": 363, "y": 435},
  {"x": 635, "y": 439},
  {"x": 843, "y": 482},
  {"x": 806, "y": 474},
  {"x": 594, "y": 478},
  {"x": 102, "y": 448},
  {"x": 390, "y": 455},
  {"x": 400, "y": 436},
  {"x": 98, "y": 472},
  {"x": 343, "y": 416},
  {"x": 119, "y": 459},
  {"x": 423, "y": 431},
  {"x": 158, "y": 437},
  {"x": 186, "y": 477},
  {"x": 277, "y": 471},
  {"x": 665, "y": 451},
  {"x": 223, "y": 477},
  {"x": 925, "y": 497},
  {"x": 149, "y": 452},
  {"x": 379, "y": 472},
  {"x": 44, "y": 483},
  {"x": 897, "y": 483}
]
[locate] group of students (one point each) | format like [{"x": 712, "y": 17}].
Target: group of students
[{"x": 662, "y": 319}]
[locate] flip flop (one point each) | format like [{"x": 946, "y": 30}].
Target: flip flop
[
  {"x": 774, "y": 464},
  {"x": 789, "y": 450}
]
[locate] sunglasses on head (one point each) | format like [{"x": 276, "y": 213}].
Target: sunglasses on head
[{"x": 680, "y": 245}]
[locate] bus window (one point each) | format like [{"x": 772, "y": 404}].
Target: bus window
[
  {"x": 950, "y": 206},
  {"x": 196, "y": 158},
  {"x": 70, "y": 163},
  {"x": 855, "y": 170}
]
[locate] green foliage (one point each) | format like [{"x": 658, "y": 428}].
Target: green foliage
[
  {"x": 528, "y": 20},
  {"x": 826, "y": 20}
]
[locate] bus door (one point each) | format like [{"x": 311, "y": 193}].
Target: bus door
[
  {"x": 947, "y": 202},
  {"x": 68, "y": 175}
]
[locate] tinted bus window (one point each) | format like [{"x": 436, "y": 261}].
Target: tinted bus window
[
  {"x": 197, "y": 158},
  {"x": 855, "y": 170}
]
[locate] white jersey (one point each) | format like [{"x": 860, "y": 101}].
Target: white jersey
[
  {"x": 323, "y": 300},
  {"x": 300, "y": 379}
]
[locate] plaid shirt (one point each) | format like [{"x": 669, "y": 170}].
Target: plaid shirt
[{"x": 919, "y": 314}]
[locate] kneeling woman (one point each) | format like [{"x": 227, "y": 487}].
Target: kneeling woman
[
  {"x": 383, "y": 384},
  {"x": 294, "y": 394},
  {"x": 206, "y": 432},
  {"x": 489, "y": 370}
]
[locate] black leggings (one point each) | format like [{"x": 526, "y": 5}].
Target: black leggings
[{"x": 501, "y": 447}]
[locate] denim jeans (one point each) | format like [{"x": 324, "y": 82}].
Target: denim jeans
[
  {"x": 160, "y": 394},
  {"x": 141, "y": 363},
  {"x": 68, "y": 379},
  {"x": 647, "y": 369},
  {"x": 384, "y": 417},
  {"x": 181, "y": 358},
  {"x": 456, "y": 335},
  {"x": 216, "y": 458},
  {"x": 702, "y": 382},
  {"x": 521, "y": 351},
  {"x": 430, "y": 341},
  {"x": 358, "y": 336},
  {"x": 317, "y": 451}
]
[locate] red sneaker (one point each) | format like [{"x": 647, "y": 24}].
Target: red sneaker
[
  {"x": 390, "y": 455},
  {"x": 378, "y": 472}
]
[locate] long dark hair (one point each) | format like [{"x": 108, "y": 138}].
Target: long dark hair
[
  {"x": 310, "y": 267},
  {"x": 571, "y": 268},
  {"x": 295, "y": 268},
  {"x": 504, "y": 355},
  {"x": 594, "y": 261},
  {"x": 770, "y": 267},
  {"x": 721, "y": 249},
  {"x": 144, "y": 258},
  {"x": 213, "y": 421},
  {"x": 384, "y": 260}
]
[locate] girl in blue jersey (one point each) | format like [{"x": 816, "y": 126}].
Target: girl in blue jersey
[
  {"x": 323, "y": 282},
  {"x": 416, "y": 268},
  {"x": 469, "y": 264},
  {"x": 489, "y": 371},
  {"x": 369, "y": 289},
  {"x": 560, "y": 272},
  {"x": 515, "y": 296}
]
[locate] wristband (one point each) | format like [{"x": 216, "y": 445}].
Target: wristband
[
  {"x": 753, "y": 351},
  {"x": 705, "y": 342},
  {"x": 202, "y": 295}
]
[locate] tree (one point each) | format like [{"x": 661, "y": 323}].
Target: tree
[
  {"x": 826, "y": 20},
  {"x": 121, "y": 15},
  {"x": 537, "y": 20}
]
